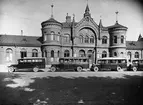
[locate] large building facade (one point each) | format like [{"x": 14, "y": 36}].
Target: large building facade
[{"x": 85, "y": 38}]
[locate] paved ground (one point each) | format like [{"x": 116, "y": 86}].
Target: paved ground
[{"x": 62, "y": 88}]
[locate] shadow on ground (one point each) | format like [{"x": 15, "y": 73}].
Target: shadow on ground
[{"x": 75, "y": 91}]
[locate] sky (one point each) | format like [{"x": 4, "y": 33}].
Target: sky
[{"x": 27, "y": 15}]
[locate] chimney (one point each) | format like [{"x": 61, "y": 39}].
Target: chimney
[
  {"x": 21, "y": 32},
  {"x": 68, "y": 18}
]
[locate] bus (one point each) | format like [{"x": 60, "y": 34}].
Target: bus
[
  {"x": 110, "y": 64},
  {"x": 28, "y": 64},
  {"x": 137, "y": 65},
  {"x": 71, "y": 64}
]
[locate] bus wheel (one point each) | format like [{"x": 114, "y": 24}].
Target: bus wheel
[
  {"x": 119, "y": 68},
  {"x": 53, "y": 69},
  {"x": 96, "y": 68},
  {"x": 79, "y": 68},
  {"x": 134, "y": 69},
  {"x": 35, "y": 69},
  {"x": 11, "y": 69}
]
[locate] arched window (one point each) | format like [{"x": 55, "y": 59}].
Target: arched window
[
  {"x": 86, "y": 39},
  {"x": 115, "y": 54},
  {"x": 52, "y": 53},
  {"x": 82, "y": 53},
  {"x": 58, "y": 37},
  {"x": 122, "y": 54},
  {"x": 104, "y": 54},
  {"x": 58, "y": 54},
  {"x": 9, "y": 54},
  {"x": 122, "y": 39},
  {"x": 66, "y": 53},
  {"x": 52, "y": 35},
  {"x": 81, "y": 39},
  {"x": 34, "y": 53},
  {"x": 129, "y": 54},
  {"x": 89, "y": 53},
  {"x": 92, "y": 39},
  {"x": 115, "y": 39},
  {"x": 66, "y": 38},
  {"x": 136, "y": 54},
  {"x": 104, "y": 40},
  {"x": 23, "y": 53}
]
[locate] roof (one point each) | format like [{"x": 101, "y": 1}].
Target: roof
[
  {"x": 51, "y": 20},
  {"x": 15, "y": 40},
  {"x": 68, "y": 24},
  {"x": 134, "y": 45},
  {"x": 116, "y": 25}
]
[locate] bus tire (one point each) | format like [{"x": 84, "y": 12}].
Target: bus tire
[
  {"x": 79, "y": 68},
  {"x": 96, "y": 69},
  {"x": 11, "y": 69},
  {"x": 35, "y": 69},
  {"x": 119, "y": 68},
  {"x": 134, "y": 69},
  {"x": 53, "y": 69}
]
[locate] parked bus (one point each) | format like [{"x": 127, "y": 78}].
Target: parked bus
[
  {"x": 28, "y": 64},
  {"x": 109, "y": 64},
  {"x": 137, "y": 65},
  {"x": 71, "y": 64}
]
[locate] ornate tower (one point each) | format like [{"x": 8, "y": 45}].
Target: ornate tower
[
  {"x": 51, "y": 33},
  {"x": 117, "y": 34}
]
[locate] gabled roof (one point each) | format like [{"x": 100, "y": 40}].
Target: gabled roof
[
  {"x": 15, "y": 40},
  {"x": 134, "y": 45}
]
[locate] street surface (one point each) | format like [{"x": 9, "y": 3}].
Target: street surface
[{"x": 72, "y": 88}]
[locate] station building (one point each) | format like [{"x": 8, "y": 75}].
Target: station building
[{"x": 85, "y": 38}]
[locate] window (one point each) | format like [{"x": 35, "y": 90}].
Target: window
[
  {"x": 104, "y": 54},
  {"x": 81, "y": 53},
  {"x": 58, "y": 37},
  {"x": 136, "y": 55},
  {"x": 45, "y": 37},
  {"x": 9, "y": 54},
  {"x": 104, "y": 40},
  {"x": 129, "y": 55},
  {"x": 89, "y": 53},
  {"x": 52, "y": 53},
  {"x": 58, "y": 54},
  {"x": 66, "y": 38},
  {"x": 23, "y": 53},
  {"x": 52, "y": 35},
  {"x": 34, "y": 53},
  {"x": 81, "y": 39},
  {"x": 115, "y": 53},
  {"x": 115, "y": 39},
  {"x": 66, "y": 53},
  {"x": 122, "y": 39},
  {"x": 92, "y": 39},
  {"x": 86, "y": 39}
]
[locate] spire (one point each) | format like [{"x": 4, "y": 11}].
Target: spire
[
  {"x": 87, "y": 8},
  {"x": 140, "y": 38},
  {"x": 116, "y": 16},
  {"x": 87, "y": 11},
  {"x": 52, "y": 10}
]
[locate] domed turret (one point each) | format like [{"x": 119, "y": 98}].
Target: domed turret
[{"x": 117, "y": 34}]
